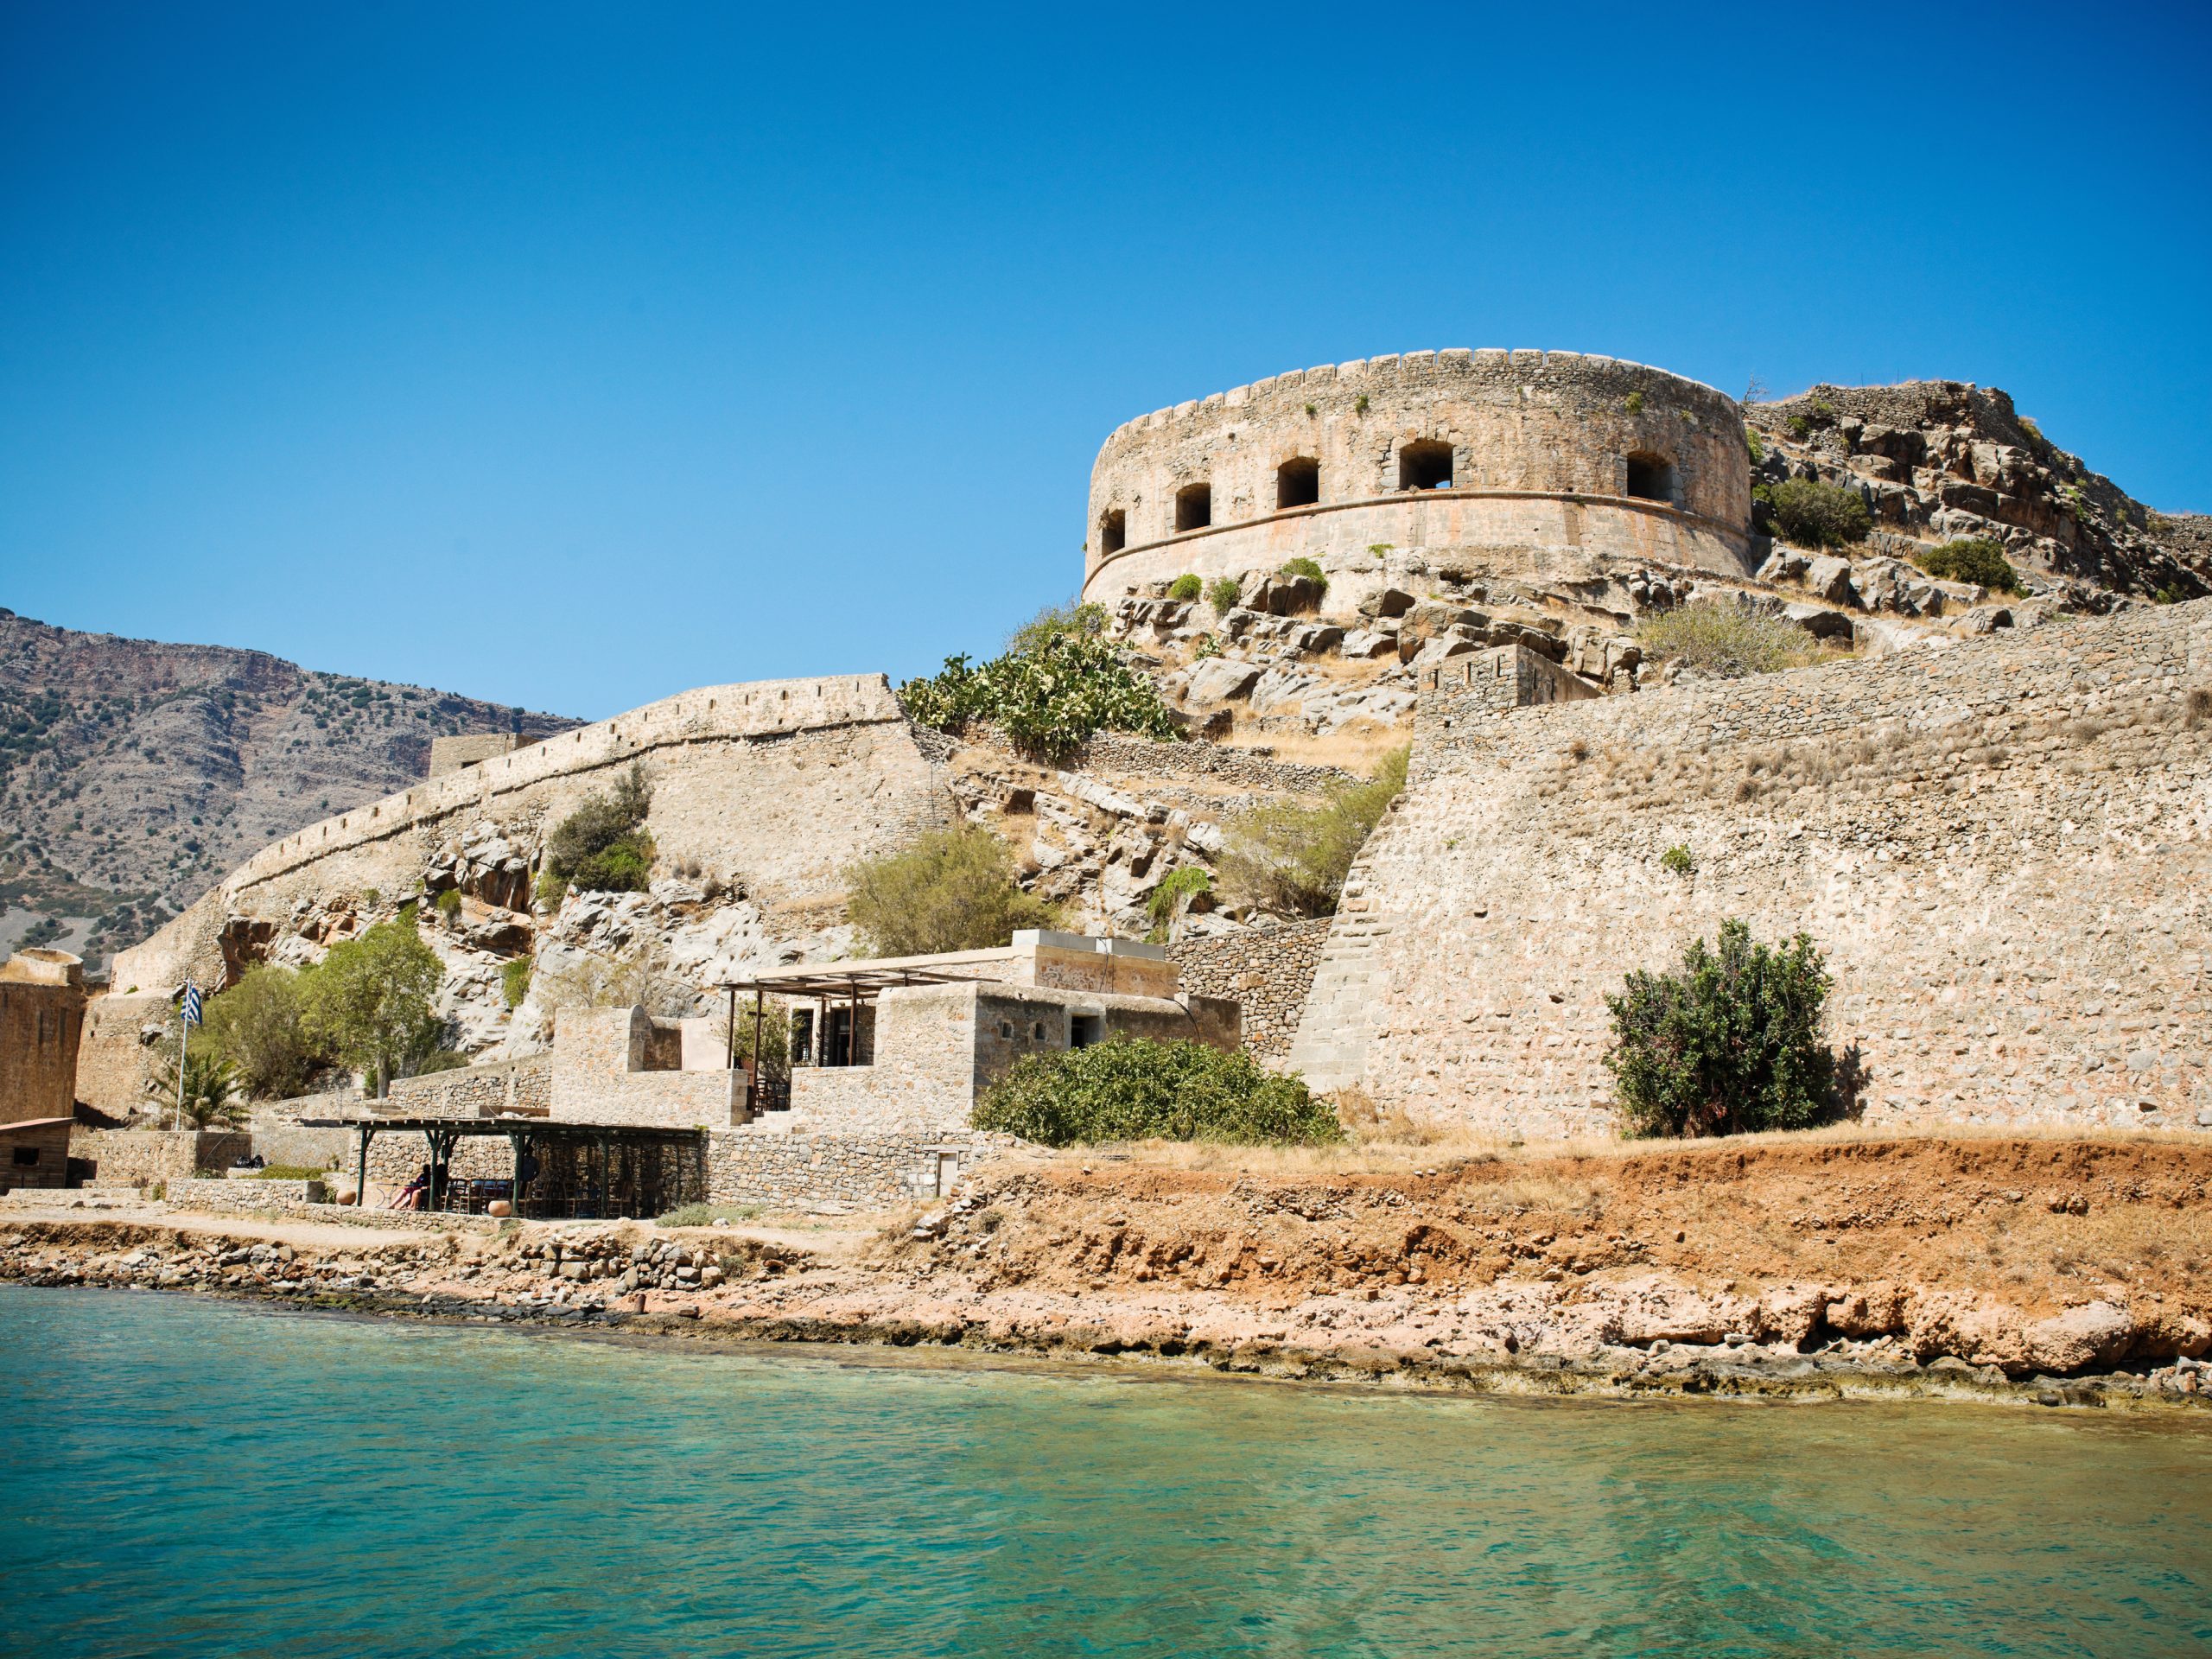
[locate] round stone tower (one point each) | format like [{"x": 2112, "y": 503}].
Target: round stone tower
[{"x": 1548, "y": 464}]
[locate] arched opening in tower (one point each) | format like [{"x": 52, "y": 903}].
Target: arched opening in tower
[
  {"x": 1193, "y": 506},
  {"x": 1651, "y": 477},
  {"x": 1297, "y": 483},
  {"x": 1113, "y": 531},
  {"x": 1425, "y": 465}
]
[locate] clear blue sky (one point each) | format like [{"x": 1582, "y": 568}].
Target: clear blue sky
[{"x": 573, "y": 355}]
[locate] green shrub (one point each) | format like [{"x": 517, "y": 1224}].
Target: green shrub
[
  {"x": 514, "y": 981},
  {"x": 952, "y": 890},
  {"x": 1979, "y": 560},
  {"x": 1359, "y": 405},
  {"x": 448, "y": 903},
  {"x": 706, "y": 1215},
  {"x": 1633, "y": 402},
  {"x": 1185, "y": 587},
  {"x": 368, "y": 1001},
  {"x": 1191, "y": 878},
  {"x": 259, "y": 1026},
  {"x": 1074, "y": 619},
  {"x": 1725, "y": 639},
  {"x": 548, "y": 890},
  {"x": 1306, "y": 568},
  {"x": 1728, "y": 1045},
  {"x": 1293, "y": 859},
  {"x": 1048, "y": 698},
  {"x": 1676, "y": 860},
  {"x": 1752, "y": 446},
  {"x": 602, "y": 846},
  {"x": 1138, "y": 1091},
  {"x": 1813, "y": 514},
  {"x": 1221, "y": 594}
]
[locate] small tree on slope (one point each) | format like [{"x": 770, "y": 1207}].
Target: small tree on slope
[{"x": 1728, "y": 1045}]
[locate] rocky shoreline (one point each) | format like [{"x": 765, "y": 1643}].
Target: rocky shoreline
[{"x": 738, "y": 1286}]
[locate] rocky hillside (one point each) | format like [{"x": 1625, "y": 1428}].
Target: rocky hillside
[
  {"x": 133, "y": 773},
  {"x": 1938, "y": 460}
]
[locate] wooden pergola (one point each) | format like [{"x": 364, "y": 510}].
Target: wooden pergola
[{"x": 527, "y": 1136}]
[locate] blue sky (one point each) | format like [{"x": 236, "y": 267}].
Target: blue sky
[{"x": 574, "y": 355}]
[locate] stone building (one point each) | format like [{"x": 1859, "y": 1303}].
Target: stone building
[
  {"x": 41, "y": 1020},
  {"x": 1504, "y": 462}
]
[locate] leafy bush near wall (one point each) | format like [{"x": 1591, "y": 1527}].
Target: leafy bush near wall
[
  {"x": 1189, "y": 880},
  {"x": 210, "y": 1097},
  {"x": 368, "y": 1003},
  {"x": 260, "y": 1026},
  {"x": 1813, "y": 514},
  {"x": 1293, "y": 859},
  {"x": 602, "y": 846},
  {"x": 1185, "y": 587},
  {"x": 1977, "y": 560},
  {"x": 1725, "y": 639},
  {"x": 514, "y": 980},
  {"x": 1221, "y": 594},
  {"x": 1048, "y": 698},
  {"x": 952, "y": 890},
  {"x": 1728, "y": 1045},
  {"x": 1306, "y": 568},
  {"x": 1075, "y": 619},
  {"x": 1141, "y": 1091}
]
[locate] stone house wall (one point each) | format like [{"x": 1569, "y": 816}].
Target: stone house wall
[
  {"x": 520, "y": 1088},
  {"x": 35, "y": 1153},
  {"x": 41, "y": 1023},
  {"x": 2005, "y": 846},
  {"x": 1539, "y": 441},
  {"x": 1267, "y": 972}
]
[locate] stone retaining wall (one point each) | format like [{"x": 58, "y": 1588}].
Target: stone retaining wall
[
  {"x": 1268, "y": 970},
  {"x": 143, "y": 1156},
  {"x": 251, "y": 1195},
  {"x": 2004, "y": 845},
  {"x": 841, "y": 1174}
]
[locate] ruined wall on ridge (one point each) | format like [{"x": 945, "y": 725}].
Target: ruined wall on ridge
[
  {"x": 775, "y": 785},
  {"x": 2005, "y": 846}
]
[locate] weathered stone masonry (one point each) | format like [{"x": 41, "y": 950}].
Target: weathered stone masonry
[
  {"x": 1268, "y": 970},
  {"x": 1522, "y": 462},
  {"x": 2005, "y": 848},
  {"x": 779, "y": 783}
]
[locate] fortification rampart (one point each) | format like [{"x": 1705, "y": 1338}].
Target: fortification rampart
[
  {"x": 779, "y": 783},
  {"x": 2004, "y": 847},
  {"x": 1514, "y": 462}
]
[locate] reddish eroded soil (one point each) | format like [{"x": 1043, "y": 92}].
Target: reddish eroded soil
[{"x": 2040, "y": 1223}]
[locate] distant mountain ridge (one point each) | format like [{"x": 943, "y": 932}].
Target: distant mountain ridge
[{"x": 134, "y": 773}]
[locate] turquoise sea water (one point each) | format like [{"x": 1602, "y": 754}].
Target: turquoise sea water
[{"x": 189, "y": 1477}]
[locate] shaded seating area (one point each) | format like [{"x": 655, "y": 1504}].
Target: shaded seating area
[{"x": 557, "y": 1171}]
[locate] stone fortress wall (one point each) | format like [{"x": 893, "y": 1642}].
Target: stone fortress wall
[
  {"x": 2005, "y": 848},
  {"x": 1522, "y": 462},
  {"x": 779, "y": 783}
]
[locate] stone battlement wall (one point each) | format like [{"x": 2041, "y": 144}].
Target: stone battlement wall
[
  {"x": 1539, "y": 450},
  {"x": 779, "y": 783},
  {"x": 2005, "y": 846}
]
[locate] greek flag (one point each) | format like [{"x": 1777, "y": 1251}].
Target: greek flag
[{"x": 192, "y": 1004}]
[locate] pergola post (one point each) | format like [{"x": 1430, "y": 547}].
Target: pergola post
[
  {"x": 361, "y": 1181},
  {"x": 752, "y": 1080}
]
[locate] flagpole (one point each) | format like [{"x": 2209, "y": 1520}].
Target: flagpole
[{"x": 184, "y": 1047}]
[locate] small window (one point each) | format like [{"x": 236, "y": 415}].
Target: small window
[
  {"x": 26, "y": 1157},
  {"x": 1084, "y": 1029},
  {"x": 1297, "y": 483},
  {"x": 1193, "y": 506},
  {"x": 1425, "y": 465},
  {"x": 1113, "y": 531},
  {"x": 1037, "y": 1031},
  {"x": 1651, "y": 477},
  {"x": 1006, "y": 1029}
]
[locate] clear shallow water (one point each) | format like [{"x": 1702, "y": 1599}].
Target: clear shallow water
[{"x": 184, "y": 1477}]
